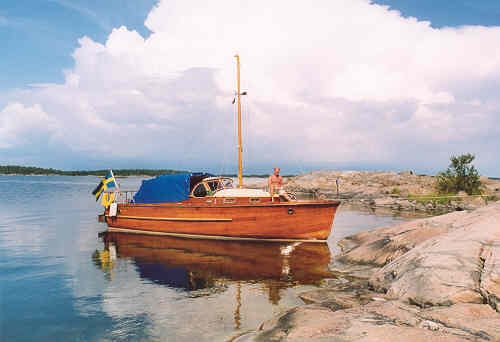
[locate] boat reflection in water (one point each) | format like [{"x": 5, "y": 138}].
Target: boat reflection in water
[{"x": 193, "y": 264}]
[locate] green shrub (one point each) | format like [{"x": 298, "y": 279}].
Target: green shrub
[
  {"x": 461, "y": 175},
  {"x": 492, "y": 198},
  {"x": 434, "y": 199}
]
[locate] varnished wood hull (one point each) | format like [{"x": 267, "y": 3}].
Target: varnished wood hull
[{"x": 296, "y": 220}]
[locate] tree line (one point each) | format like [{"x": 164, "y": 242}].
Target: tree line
[{"x": 32, "y": 170}]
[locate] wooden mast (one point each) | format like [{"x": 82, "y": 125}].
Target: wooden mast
[{"x": 240, "y": 149}]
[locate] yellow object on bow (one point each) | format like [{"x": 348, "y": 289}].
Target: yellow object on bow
[{"x": 107, "y": 199}]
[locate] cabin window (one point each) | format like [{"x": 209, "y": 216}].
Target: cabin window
[
  {"x": 228, "y": 183},
  {"x": 254, "y": 200},
  {"x": 200, "y": 191},
  {"x": 229, "y": 200},
  {"x": 215, "y": 185}
]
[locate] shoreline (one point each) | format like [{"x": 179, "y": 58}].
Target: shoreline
[
  {"x": 435, "y": 278},
  {"x": 403, "y": 191}
]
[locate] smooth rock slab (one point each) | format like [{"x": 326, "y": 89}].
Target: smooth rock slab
[
  {"x": 381, "y": 246},
  {"x": 382, "y": 321},
  {"x": 490, "y": 277},
  {"x": 478, "y": 320},
  {"x": 337, "y": 299},
  {"x": 448, "y": 268}
]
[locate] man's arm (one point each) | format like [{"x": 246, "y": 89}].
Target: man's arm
[{"x": 270, "y": 185}]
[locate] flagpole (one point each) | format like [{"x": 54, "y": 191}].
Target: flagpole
[
  {"x": 240, "y": 174},
  {"x": 116, "y": 183}
]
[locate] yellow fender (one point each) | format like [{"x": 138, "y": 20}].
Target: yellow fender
[{"x": 107, "y": 199}]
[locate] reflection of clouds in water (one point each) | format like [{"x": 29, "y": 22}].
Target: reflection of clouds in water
[
  {"x": 23, "y": 233},
  {"x": 20, "y": 242},
  {"x": 164, "y": 312},
  {"x": 87, "y": 280}
]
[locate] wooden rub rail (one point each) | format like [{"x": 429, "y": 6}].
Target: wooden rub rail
[
  {"x": 182, "y": 219},
  {"x": 208, "y": 237}
]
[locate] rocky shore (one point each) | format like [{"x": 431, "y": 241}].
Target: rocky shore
[
  {"x": 387, "y": 189},
  {"x": 432, "y": 279}
]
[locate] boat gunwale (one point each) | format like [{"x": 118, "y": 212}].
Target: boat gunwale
[{"x": 230, "y": 205}]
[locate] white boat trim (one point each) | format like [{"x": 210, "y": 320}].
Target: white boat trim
[{"x": 238, "y": 192}]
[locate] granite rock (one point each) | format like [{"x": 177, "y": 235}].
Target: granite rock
[
  {"x": 382, "y": 321},
  {"x": 447, "y": 268}
]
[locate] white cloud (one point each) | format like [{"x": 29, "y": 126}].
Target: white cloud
[
  {"x": 331, "y": 83},
  {"x": 20, "y": 125}
]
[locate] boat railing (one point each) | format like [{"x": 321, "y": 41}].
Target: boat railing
[{"x": 125, "y": 196}]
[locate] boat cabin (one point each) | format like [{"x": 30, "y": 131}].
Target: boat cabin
[
  {"x": 210, "y": 185},
  {"x": 223, "y": 187}
]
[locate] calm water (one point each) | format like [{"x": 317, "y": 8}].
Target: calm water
[{"x": 54, "y": 286}]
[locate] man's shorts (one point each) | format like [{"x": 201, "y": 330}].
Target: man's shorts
[{"x": 277, "y": 192}]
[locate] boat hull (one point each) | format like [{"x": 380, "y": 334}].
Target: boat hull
[{"x": 297, "y": 220}]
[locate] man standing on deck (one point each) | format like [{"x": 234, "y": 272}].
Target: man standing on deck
[{"x": 275, "y": 183}]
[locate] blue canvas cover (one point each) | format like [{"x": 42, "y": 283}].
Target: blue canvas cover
[
  {"x": 164, "y": 188},
  {"x": 168, "y": 188}
]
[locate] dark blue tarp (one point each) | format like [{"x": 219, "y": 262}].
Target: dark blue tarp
[{"x": 167, "y": 188}]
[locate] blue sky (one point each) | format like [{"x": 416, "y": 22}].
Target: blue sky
[
  {"x": 39, "y": 36},
  {"x": 354, "y": 86},
  {"x": 449, "y": 13}
]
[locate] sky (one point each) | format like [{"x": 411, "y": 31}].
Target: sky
[{"x": 332, "y": 84}]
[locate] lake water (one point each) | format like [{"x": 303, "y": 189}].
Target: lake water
[{"x": 60, "y": 281}]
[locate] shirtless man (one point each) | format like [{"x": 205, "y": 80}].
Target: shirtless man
[{"x": 275, "y": 182}]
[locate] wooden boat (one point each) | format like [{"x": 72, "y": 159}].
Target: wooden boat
[{"x": 202, "y": 206}]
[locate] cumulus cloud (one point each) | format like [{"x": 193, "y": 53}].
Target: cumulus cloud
[
  {"x": 21, "y": 125},
  {"x": 337, "y": 83}
]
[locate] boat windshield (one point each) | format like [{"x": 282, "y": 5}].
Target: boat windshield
[
  {"x": 214, "y": 185},
  {"x": 210, "y": 186},
  {"x": 227, "y": 183}
]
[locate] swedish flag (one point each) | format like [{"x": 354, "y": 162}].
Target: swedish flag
[
  {"x": 98, "y": 191},
  {"x": 106, "y": 183},
  {"x": 109, "y": 181}
]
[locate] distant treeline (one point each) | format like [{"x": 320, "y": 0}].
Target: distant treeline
[{"x": 31, "y": 170}]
